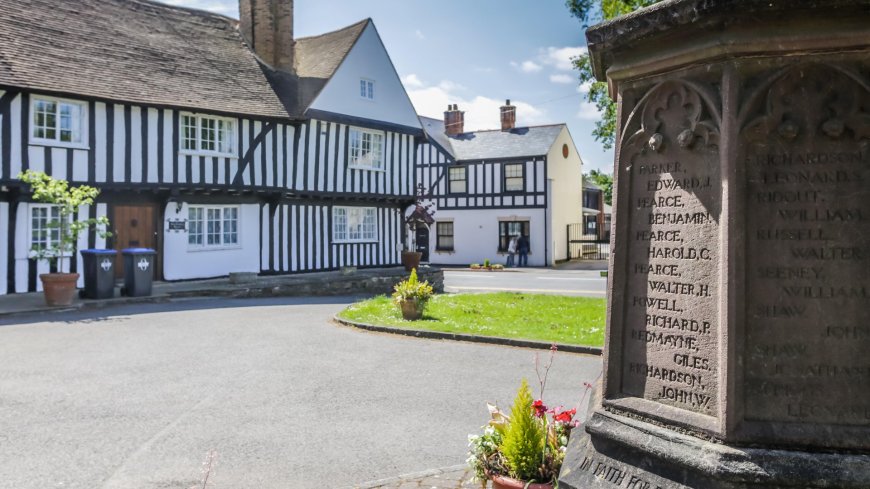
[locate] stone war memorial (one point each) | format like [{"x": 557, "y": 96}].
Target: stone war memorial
[{"x": 738, "y": 345}]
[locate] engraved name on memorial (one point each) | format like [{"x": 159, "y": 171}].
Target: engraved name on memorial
[
  {"x": 805, "y": 146},
  {"x": 670, "y": 311}
]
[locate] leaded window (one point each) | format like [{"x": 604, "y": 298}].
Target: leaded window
[
  {"x": 353, "y": 224},
  {"x": 366, "y": 149}
]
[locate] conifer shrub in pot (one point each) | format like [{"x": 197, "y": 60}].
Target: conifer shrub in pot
[
  {"x": 524, "y": 450},
  {"x": 412, "y": 296},
  {"x": 59, "y": 287}
]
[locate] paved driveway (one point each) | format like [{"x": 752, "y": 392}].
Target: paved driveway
[
  {"x": 587, "y": 283},
  {"x": 135, "y": 397}
]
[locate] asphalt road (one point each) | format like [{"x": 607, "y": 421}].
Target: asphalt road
[
  {"x": 134, "y": 397},
  {"x": 545, "y": 281}
]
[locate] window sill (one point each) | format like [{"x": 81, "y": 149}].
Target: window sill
[
  {"x": 57, "y": 144},
  {"x": 448, "y": 252},
  {"x": 355, "y": 241},
  {"x": 187, "y": 152},
  {"x": 367, "y": 168},
  {"x": 213, "y": 248}
]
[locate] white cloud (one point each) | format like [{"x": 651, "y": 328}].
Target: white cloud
[
  {"x": 480, "y": 112},
  {"x": 527, "y": 66},
  {"x": 562, "y": 78},
  {"x": 419, "y": 34},
  {"x": 412, "y": 81},
  {"x": 588, "y": 112},
  {"x": 560, "y": 58}
]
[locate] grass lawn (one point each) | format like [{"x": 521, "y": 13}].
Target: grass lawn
[{"x": 550, "y": 318}]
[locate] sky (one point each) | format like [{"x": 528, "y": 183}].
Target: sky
[{"x": 475, "y": 53}]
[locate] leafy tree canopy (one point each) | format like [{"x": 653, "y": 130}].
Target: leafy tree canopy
[{"x": 593, "y": 11}]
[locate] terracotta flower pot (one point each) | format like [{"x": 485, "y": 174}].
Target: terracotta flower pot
[
  {"x": 411, "y": 259},
  {"x": 412, "y": 310},
  {"x": 502, "y": 482},
  {"x": 59, "y": 288}
]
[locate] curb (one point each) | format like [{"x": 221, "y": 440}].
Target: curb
[
  {"x": 405, "y": 477},
  {"x": 490, "y": 340}
]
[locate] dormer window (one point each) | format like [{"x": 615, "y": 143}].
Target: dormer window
[
  {"x": 57, "y": 122},
  {"x": 367, "y": 89},
  {"x": 208, "y": 135}
]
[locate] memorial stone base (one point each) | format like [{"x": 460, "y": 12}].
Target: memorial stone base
[{"x": 738, "y": 342}]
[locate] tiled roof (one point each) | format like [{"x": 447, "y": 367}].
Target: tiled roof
[
  {"x": 520, "y": 142},
  {"x": 145, "y": 52},
  {"x": 434, "y": 128}
]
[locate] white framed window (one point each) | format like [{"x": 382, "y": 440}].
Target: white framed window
[
  {"x": 514, "y": 177},
  {"x": 208, "y": 135},
  {"x": 44, "y": 227},
  {"x": 58, "y": 122},
  {"x": 212, "y": 226},
  {"x": 367, "y": 88},
  {"x": 366, "y": 149},
  {"x": 457, "y": 182},
  {"x": 354, "y": 224}
]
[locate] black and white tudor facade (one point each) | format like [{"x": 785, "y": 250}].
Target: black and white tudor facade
[
  {"x": 488, "y": 186},
  {"x": 227, "y": 146}
]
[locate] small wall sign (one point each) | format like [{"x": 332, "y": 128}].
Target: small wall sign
[{"x": 177, "y": 225}]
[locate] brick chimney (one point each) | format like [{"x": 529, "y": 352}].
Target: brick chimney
[
  {"x": 508, "y": 116},
  {"x": 267, "y": 26},
  {"x": 454, "y": 120}
]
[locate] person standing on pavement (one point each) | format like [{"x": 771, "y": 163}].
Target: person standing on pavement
[
  {"x": 523, "y": 250},
  {"x": 512, "y": 250}
]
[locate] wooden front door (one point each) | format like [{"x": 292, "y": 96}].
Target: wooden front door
[{"x": 135, "y": 226}]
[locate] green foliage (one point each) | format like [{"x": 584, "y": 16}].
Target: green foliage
[
  {"x": 68, "y": 200},
  {"x": 590, "y": 11},
  {"x": 413, "y": 290},
  {"x": 549, "y": 318},
  {"x": 486, "y": 263},
  {"x": 523, "y": 444},
  {"x": 605, "y": 181}
]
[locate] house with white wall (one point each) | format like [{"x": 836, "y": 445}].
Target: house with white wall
[
  {"x": 490, "y": 185},
  {"x": 225, "y": 145}
]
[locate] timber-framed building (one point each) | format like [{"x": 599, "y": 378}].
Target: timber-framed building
[{"x": 227, "y": 146}]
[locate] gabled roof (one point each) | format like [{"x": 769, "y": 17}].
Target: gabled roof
[
  {"x": 520, "y": 142},
  {"x": 140, "y": 51}
]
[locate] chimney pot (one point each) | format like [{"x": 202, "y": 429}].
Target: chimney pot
[
  {"x": 454, "y": 120},
  {"x": 508, "y": 116}
]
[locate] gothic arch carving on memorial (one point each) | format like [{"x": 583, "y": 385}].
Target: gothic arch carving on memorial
[
  {"x": 809, "y": 100},
  {"x": 673, "y": 112}
]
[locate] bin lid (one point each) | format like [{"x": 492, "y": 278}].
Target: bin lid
[
  {"x": 96, "y": 251},
  {"x": 138, "y": 251}
]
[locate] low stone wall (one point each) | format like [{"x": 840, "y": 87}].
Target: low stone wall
[{"x": 372, "y": 281}]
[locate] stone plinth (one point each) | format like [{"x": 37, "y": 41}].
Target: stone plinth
[{"x": 738, "y": 346}]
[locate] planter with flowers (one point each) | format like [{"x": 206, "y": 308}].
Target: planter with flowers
[
  {"x": 526, "y": 449},
  {"x": 412, "y": 296}
]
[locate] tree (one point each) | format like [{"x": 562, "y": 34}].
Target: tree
[
  {"x": 68, "y": 200},
  {"x": 605, "y": 181},
  {"x": 589, "y": 11}
]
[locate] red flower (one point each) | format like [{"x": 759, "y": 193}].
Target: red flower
[
  {"x": 565, "y": 416},
  {"x": 539, "y": 408}
]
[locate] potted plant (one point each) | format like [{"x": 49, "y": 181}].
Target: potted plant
[
  {"x": 411, "y": 296},
  {"x": 524, "y": 450},
  {"x": 421, "y": 215},
  {"x": 59, "y": 287}
]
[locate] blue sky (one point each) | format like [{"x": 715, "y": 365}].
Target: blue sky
[{"x": 475, "y": 53}]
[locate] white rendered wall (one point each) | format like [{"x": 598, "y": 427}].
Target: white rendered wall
[
  {"x": 565, "y": 193},
  {"x": 368, "y": 59},
  {"x": 475, "y": 235},
  {"x": 182, "y": 262}
]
